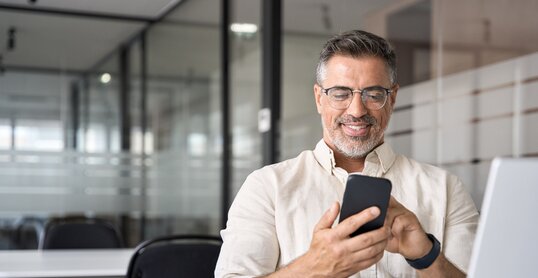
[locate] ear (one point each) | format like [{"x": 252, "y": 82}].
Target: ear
[
  {"x": 317, "y": 97},
  {"x": 392, "y": 97}
]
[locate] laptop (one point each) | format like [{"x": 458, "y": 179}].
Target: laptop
[{"x": 506, "y": 243}]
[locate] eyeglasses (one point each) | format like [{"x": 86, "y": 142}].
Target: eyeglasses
[{"x": 373, "y": 98}]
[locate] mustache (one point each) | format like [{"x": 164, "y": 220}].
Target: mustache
[{"x": 366, "y": 119}]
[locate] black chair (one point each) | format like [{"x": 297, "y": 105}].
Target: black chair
[
  {"x": 27, "y": 232},
  {"x": 79, "y": 233},
  {"x": 175, "y": 256}
]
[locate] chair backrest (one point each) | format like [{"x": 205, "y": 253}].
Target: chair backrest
[
  {"x": 176, "y": 256},
  {"x": 80, "y": 233},
  {"x": 27, "y": 232}
]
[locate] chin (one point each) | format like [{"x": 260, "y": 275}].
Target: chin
[
  {"x": 353, "y": 151},
  {"x": 356, "y": 147}
]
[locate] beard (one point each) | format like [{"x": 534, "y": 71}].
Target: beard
[{"x": 355, "y": 146}]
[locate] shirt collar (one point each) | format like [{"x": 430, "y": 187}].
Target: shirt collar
[
  {"x": 325, "y": 156},
  {"x": 383, "y": 155}
]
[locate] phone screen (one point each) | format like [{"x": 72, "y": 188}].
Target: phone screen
[{"x": 363, "y": 192}]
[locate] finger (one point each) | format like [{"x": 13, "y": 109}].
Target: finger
[
  {"x": 398, "y": 225},
  {"x": 368, "y": 239},
  {"x": 352, "y": 223},
  {"x": 328, "y": 218},
  {"x": 369, "y": 252},
  {"x": 394, "y": 210},
  {"x": 390, "y": 210},
  {"x": 369, "y": 262},
  {"x": 404, "y": 222},
  {"x": 393, "y": 202}
]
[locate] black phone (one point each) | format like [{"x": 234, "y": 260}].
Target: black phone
[{"x": 363, "y": 192}]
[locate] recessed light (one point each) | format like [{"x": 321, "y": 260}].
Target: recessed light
[
  {"x": 244, "y": 28},
  {"x": 105, "y": 78}
]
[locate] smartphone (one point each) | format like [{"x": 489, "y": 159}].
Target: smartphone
[{"x": 363, "y": 192}]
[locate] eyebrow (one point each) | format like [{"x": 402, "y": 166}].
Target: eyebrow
[{"x": 346, "y": 87}]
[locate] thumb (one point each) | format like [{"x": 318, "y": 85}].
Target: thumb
[{"x": 328, "y": 218}]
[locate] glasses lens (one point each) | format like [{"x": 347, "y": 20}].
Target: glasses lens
[
  {"x": 374, "y": 98},
  {"x": 340, "y": 98}
]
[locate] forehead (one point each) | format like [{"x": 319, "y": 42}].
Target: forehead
[{"x": 361, "y": 69}]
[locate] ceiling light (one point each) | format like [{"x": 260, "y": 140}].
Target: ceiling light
[
  {"x": 105, "y": 78},
  {"x": 244, "y": 28}
]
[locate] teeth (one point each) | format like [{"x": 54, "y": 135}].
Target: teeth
[{"x": 356, "y": 127}]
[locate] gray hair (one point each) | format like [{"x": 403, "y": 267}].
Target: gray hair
[{"x": 356, "y": 44}]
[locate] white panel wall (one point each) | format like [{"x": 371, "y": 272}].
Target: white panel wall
[{"x": 462, "y": 121}]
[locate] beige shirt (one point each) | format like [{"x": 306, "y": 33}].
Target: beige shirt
[{"x": 272, "y": 218}]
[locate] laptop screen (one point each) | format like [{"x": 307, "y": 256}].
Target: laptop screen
[{"x": 506, "y": 243}]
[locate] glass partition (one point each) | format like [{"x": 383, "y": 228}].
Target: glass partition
[
  {"x": 183, "y": 116},
  {"x": 60, "y": 153},
  {"x": 245, "y": 71},
  {"x": 79, "y": 137}
]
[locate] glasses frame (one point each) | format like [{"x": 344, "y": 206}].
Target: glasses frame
[{"x": 361, "y": 92}]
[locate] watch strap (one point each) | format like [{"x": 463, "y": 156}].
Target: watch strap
[{"x": 428, "y": 259}]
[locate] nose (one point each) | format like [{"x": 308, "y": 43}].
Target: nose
[{"x": 356, "y": 108}]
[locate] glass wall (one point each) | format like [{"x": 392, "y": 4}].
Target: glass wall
[
  {"x": 184, "y": 114},
  {"x": 100, "y": 121},
  {"x": 246, "y": 95},
  {"x": 106, "y": 135},
  {"x": 5, "y": 134}
]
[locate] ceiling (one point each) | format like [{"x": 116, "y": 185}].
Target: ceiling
[
  {"x": 63, "y": 42},
  {"x": 71, "y": 35},
  {"x": 141, "y": 8},
  {"x": 75, "y": 35}
]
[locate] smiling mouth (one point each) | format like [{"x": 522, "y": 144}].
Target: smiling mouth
[{"x": 355, "y": 129}]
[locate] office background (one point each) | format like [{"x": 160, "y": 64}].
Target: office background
[{"x": 118, "y": 110}]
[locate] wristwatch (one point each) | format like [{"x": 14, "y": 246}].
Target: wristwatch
[{"x": 426, "y": 261}]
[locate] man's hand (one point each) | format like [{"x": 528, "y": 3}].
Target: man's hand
[
  {"x": 406, "y": 234},
  {"x": 409, "y": 239},
  {"x": 333, "y": 253}
]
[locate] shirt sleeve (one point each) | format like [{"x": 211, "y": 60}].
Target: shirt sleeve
[
  {"x": 250, "y": 245},
  {"x": 461, "y": 224}
]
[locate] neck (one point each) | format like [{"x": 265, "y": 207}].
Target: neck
[{"x": 349, "y": 164}]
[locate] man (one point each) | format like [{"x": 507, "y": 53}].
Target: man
[{"x": 283, "y": 222}]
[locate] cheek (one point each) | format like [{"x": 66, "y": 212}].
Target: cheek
[
  {"x": 326, "y": 120},
  {"x": 383, "y": 119},
  {"x": 328, "y": 117}
]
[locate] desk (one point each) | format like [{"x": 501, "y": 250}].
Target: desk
[{"x": 65, "y": 263}]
